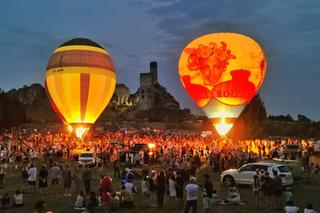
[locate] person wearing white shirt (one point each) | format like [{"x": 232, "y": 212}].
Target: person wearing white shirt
[
  {"x": 145, "y": 189},
  {"x": 129, "y": 186},
  {"x": 309, "y": 209},
  {"x": 81, "y": 200},
  {"x": 290, "y": 208},
  {"x": 32, "y": 177},
  {"x": 192, "y": 195}
]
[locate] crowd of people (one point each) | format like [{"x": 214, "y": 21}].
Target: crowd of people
[{"x": 170, "y": 166}]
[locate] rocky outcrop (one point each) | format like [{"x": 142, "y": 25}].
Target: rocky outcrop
[
  {"x": 123, "y": 105},
  {"x": 35, "y": 102}
]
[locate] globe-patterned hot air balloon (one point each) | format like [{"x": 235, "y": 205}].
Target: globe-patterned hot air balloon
[
  {"x": 80, "y": 78},
  {"x": 222, "y": 72}
]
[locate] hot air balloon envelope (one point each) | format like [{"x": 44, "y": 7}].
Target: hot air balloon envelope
[
  {"x": 81, "y": 79},
  {"x": 222, "y": 72}
]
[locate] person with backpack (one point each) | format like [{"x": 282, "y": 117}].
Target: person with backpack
[
  {"x": 2, "y": 175},
  {"x": 24, "y": 176},
  {"x": 161, "y": 188},
  {"x": 67, "y": 179},
  {"x": 256, "y": 188},
  {"x": 207, "y": 194},
  {"x": 179, "y": 190},
  {"x": 192, "y": 196},
  {"x": 277, "y": 190},
  {"x": 267, "y": 188},
  {"x": 153, "y": 188},
  {"x": 43, "y": 180},
  {"x": 145, "y": 190}
]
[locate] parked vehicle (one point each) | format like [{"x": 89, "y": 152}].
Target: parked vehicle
[
  {"x": 292, "y": 151},
  {"x": 244, "y": 175},
  {"x": 139, "y": 146},
  {"x": 87, "y": 158}
]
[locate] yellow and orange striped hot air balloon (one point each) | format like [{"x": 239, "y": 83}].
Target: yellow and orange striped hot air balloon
[{"x": 80, "y": 79}]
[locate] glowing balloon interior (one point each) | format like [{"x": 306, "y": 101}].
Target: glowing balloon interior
[
  {"x": 80, "y": 79},
  {"x": 222, "y": 72}
]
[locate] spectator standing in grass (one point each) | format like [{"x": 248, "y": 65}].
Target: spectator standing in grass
[
  {"x": 267, "y": 188},
  {"x": 145, "y": 189},
  {"x": 116, "y": 168},
  {"x": 55, "y": 174},
  {"x": 172, "y": 190},
  {"x": 93, "y": 202},
  {"x": 86, "y": 178},
  {"x": 161, "y": 188},
  {"x": 43, "y": 180},
  {"x": 277, "y": 190},
  {"x": 192, "y": 196},
  {"x": 207, "y": 194},
  {"x": 77, "y": 179},
  {"x": 67, "y": 179},
  {"x": 153, "y": 188},
  {"x": 24, "y": 176},
  {"x": 32, "y": 177},
  {"x": 2, "y": 175},
  {"x": 256, "y": 188},
  {"x": 179, "y": 190}
]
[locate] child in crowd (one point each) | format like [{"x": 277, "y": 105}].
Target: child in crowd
[
  {"x": 5, "y": 201},
  {"x": 215, "y": 197},
  {"x": 18, "y": 198},
  {"x": 287, "y": 193},
  {"x": 233, "y": 196},
  {"x": 126, "y": 198},
  {"x": 291, "y": 208},
  {"x": 81, "y": 200},
  {"x": 309, "y": 209},
  {"x": 115, "y": 202}
]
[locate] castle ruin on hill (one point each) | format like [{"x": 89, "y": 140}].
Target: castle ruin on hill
[{"x": 150, "y": 94}]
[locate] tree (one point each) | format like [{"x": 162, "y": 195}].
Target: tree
[
  {"x": 281, "y": 118},
  {"x": 13, "y": 113},
  {"x": 251, "y": 122},
  {"x": 303, "y": 119}
]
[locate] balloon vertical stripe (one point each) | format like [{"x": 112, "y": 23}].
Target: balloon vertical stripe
[{"x": 84, "y": 92}]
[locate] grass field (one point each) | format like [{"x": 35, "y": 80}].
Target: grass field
[{"x": 303, "y": 193}]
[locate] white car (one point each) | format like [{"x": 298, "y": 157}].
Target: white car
[
  {"x": 244, "y": 175},
  {"x": 87, "y": 158}
]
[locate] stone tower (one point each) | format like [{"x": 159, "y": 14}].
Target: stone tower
[
  {"x": 147, "y": 90},
  {"x": 154, "y": 71}
]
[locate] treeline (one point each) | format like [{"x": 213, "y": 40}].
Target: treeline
[
  {"x": 255, "y": 123},
  {"x": 12, "y": 112}
]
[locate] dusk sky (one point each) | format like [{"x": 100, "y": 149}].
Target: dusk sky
[{"x": 136, "y": 32}]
